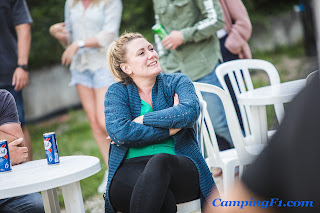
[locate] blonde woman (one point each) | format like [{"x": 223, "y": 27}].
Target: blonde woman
[
  {"x": 89, "y": 27},
  {"x": 155, "y": 161}
]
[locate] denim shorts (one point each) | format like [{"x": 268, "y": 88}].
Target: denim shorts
[
  {"x": 19, "y": 102},
  {"x": 92, "y": 79}
]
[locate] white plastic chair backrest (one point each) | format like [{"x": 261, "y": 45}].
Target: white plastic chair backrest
[
  {"x": 311, "y": 76},
  {"x": 208, "y": 133},
  {"x": 203, "y": 108},
  {"x": 208, "y": 140},
  {"x": 239, "y": 75}
]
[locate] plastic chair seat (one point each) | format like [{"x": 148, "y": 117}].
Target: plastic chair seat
[{"x": 189, "y": 206}]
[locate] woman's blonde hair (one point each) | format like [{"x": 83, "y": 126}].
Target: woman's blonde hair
[{"x": 117, "y": 54}]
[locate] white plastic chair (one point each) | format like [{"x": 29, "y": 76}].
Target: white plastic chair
[
  {"x": 194, "y": 205},
  {"x": 229, "y": 159},
  {"x": 311, "y": 76},
  {"x": 239, "y": 75}
]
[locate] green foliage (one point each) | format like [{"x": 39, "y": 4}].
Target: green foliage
[
  {"x": 269, "y": 7},
  {"x": 138, "y": 16},
  {"x": 258, "y": 10},
  {"x": 45, "y": 50}
]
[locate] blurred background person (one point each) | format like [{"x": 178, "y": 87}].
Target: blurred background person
[
  {"x": 89, "y": 27},
  {"x": 11, "y": 131},
  {"x": 15, "y": 41},
  {"x": 237, "y": 31},
  {"x": 192, "y": 48},
  {"x": 234, "y": 39}
]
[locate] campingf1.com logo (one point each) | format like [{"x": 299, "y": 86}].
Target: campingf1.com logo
[{"x": 273, "y": 202}]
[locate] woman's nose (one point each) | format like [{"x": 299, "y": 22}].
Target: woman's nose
[{"x": 152, "y": 54}]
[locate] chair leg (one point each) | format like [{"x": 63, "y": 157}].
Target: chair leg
[
  {"x": 241, "y": 168},
  {"x": 228, "y": 178}
]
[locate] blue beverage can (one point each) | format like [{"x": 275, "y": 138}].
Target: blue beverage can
[
  {"x": 5, "y": 163},
  {"x": 51, "y": 147}
]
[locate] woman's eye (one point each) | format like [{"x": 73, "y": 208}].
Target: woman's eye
[
  {"x": 151, "y": 49},
  {"x": 141, "y": 53}
]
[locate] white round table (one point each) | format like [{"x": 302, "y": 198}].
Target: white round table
[
  {"x": 38, "y": 176},
  {"x": 259, "y": 98},
  {"x": 273, "y": 94}
]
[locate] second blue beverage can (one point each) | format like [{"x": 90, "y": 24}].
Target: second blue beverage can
[
  {"x": 5, "y": 163},
  {"x": 51, "y": 147}
]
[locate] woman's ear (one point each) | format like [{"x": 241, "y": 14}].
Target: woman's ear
[{"x": 125, "y": 68}]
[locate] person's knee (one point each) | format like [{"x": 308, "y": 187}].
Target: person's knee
[
  {"x": 102, "y": 124},
  {"x": 161, "y": 162},
  {"x": 36, "y": 202},
  {"x": 96, "y": 126}
]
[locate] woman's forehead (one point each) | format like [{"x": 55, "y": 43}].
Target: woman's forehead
[{"x": 138, "y": 43}]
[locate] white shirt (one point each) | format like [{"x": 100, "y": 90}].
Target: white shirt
[{"x": 101, "y": 21}]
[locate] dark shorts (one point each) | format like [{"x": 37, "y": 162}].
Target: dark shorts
[{"x": 19, "y": 102}]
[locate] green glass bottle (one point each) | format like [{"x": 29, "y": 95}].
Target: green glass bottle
[{"x": 160, "y": 31}]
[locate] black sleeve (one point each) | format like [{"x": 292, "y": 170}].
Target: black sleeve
[
  {"x": 288, "y": 168},
  {"x": 8, "y": 109},
  {"x": 20, "y": 12}
]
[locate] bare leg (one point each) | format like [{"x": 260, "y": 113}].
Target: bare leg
[
  {"x": 27, "y": 142},
  {"x": 100, "y": 117},
  {"x": 89, "y": 102}
]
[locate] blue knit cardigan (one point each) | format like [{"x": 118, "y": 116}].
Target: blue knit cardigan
[{"x": 123, "y": 104}]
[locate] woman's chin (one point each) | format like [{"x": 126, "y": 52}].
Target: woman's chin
[{"x": 156, "y": 71}]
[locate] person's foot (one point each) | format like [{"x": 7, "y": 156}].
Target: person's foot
[
  {"x": 103, "y": 185},
  {"x": 216, "y": 172}
]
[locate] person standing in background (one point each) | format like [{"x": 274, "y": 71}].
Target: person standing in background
[
  {"x": 236, "y": 32},
  {"x": 89, "y": 27},
  {"x": 192, "y": 48},
  {"x": 234, "y": 39},
  {"x": 15, "y": 42}
]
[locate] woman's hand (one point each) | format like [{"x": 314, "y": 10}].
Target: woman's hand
[
  {"x": 173, "y": 131},
  {"x": 175, "y": 100},
  {"x": 59, "y": 31},
  {"x": 139, "y": 119},
  {"x": 69, "y": 53},
  {"x": 175, "y": 103},
  {"x": 110, "y": 141}
]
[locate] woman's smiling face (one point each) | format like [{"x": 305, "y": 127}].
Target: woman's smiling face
[{"x": 142, "y": 60}]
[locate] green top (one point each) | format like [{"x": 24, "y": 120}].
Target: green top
[{"x": 165, "y": 146}]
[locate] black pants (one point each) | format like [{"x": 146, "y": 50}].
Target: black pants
[{"x": 154, "y": 184}]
